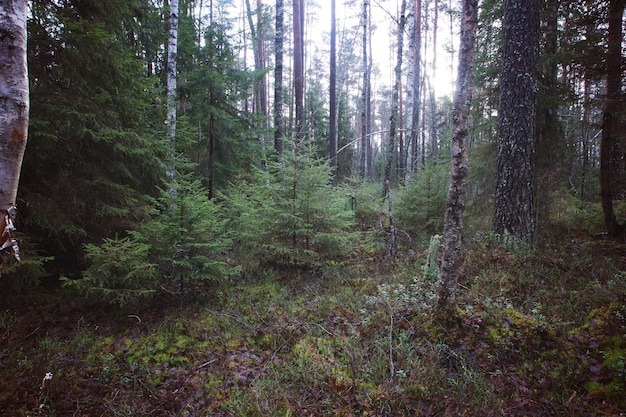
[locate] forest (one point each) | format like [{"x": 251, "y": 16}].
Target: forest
[{"x": 312, "y": 208}]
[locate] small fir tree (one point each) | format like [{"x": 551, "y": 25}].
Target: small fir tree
[{"x": 290, "y": 214}]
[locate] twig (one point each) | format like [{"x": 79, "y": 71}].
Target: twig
[{"x": 206, "y": 364}]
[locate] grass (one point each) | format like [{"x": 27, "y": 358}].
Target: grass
[{"x": 538, "y": 333}]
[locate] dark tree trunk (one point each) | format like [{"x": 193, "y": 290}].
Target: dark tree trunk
[
  {"x": 298, "y": 66},
  {"x": 278, "y": 79},
  {"x": 452, "y": 250},
  {"x": 609, "y": 144},
  {"x": 514, "y": 199}
]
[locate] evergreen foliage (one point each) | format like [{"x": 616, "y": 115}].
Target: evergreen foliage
[
  {"x": 92, "y": 156},
  {"x": 289, "y": 214},
  {"x": 188, "y": 237},
  {"x": 119, "y": 272},
  {"x": 421, "y": 206}
]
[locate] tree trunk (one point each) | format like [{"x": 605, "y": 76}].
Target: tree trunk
[
  {"x": 172, "y": 47},
  {"x": 298, "y": 66},
  {"x": 14, "y": 98},
  {"x": 514, "y": 199},
  {"x": 278, "y": 79},
  {"x": 416, "y": 42},
  {"x": 364, "y": 97},
  {"x": 332, "y": 142},
  {"x": 390, "y": 167},
  {"x": 611, "y": 118},
  {"x": 452, "y": 249}
]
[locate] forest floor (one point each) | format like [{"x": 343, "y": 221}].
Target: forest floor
[{"x": 535, "y": 334}]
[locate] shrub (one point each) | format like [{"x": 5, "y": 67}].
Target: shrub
[
  {"x": 422, "y": 203},
  {"x": 119, "y": 272},
  {"x": 289, "y": 214}
]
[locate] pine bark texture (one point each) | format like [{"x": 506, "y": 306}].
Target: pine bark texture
[
  {"x": 452, "y": 249},
  {"x": 514, "y": 198},
  {"x": 610, "y": 140},
  {"x": 14, "y": 96}
]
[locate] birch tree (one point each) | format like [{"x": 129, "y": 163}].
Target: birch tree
[
  {"x": 14, "y": 98},
  {"x": 452, "y": 249},
  {"x": 172, "y": 48}
]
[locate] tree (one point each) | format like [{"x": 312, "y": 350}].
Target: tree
[
  {"x": 332, "y": 142},
  {"x": 514, "y": 199},
  {"x": 392, "y": 159},
  {"x": 14, "y": 97},
  {"x": 416, "y": 48},
  {"x": 365, "y": 97},
  {"x": 278, "y": 78},
  {"x": 172, "y": 47},
  {"x": 298, "y": 65},
  {"x": 452, "y": 250},
  {"x": 611, "y": 118}
]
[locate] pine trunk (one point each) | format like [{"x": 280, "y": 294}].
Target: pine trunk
[
  {"x": 298, "y": 66},
  {"x": 610, "y": 119},
  {"x": 14, "y": 96},
  {"x": 278, "y": 79},
  {"x": 514, "y": 196}
]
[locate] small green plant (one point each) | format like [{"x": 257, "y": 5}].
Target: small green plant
[
  {"x": 119, "y": 272},
  {"x": 187, "y": 237},
  {"x": 290, "y": 214}
]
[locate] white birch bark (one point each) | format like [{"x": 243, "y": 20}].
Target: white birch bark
[{"x": 14, "y": 99}]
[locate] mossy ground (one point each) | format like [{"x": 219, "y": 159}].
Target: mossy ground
[{"x": 535, "y": 333}]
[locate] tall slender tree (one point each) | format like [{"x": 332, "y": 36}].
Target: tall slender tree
[
  {"x": 392, "y": 159},
  {"x": 298, "y": 66},
  {"x": 332, "y": 141},
  {"x": 452, "y": 249},
  {"x": 611, "y": 118},
  {"x": 365, "y": 98},
  {"x": 14, "y": 96},
  {"x": 278, "y": 78},
  {"x": 514, "y": 196},
  {"x": 172, "y": 52},
  {"x": 416, "y": 46}
]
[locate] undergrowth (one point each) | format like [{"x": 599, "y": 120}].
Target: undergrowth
[{"x": 541, "y": 333}]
